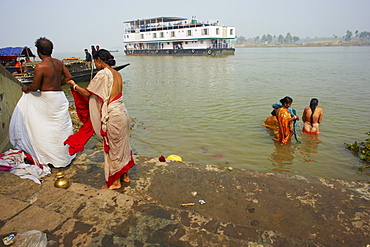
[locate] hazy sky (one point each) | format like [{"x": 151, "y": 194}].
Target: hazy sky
[{"x": 75, "y": 25}]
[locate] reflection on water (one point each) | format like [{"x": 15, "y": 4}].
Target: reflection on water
[
  {"x": 282, "y": 157},
  {"x": 309, "y": 147},
  {"x": 210, "y": 110}
]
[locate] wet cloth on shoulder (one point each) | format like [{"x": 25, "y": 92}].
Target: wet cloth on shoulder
[
  {"x": 39, "y": 125},
  {"x": 111, "y": 122}
]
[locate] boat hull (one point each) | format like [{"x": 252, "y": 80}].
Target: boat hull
[{"x": 182, "y": 52}]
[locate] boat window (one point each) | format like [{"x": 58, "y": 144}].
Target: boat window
[
  {"x": 217, "y": 31},
  {"x": 231, "y": 31},
  {"x": 205, "y": 31},
  {"x": 162, "y": 35},
  {"x": 142, "y": 36},
  {"x": 154, "y": 35},
  {"x": 172, "y": 33},
  {"x": 189, "y": 32}
]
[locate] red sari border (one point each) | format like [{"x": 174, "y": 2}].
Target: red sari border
[
  {"x": 118, "y": 174},
  {"x": 309, "y": 133}
]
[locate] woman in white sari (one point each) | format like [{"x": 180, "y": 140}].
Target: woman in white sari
[{"x": 109, "y": 118}]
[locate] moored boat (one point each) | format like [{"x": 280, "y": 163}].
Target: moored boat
[
  {"x": 177, "y": 36},
  {"x": 81, "y": 75},
  {"x": 16, "y": 59},
  {"x": 23, "y": 71}
]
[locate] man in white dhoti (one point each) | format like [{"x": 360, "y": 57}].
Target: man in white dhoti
[{"x": 41, "y": 122}]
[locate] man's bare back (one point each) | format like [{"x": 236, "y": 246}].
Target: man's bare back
[{"x": 48, "y": 75}]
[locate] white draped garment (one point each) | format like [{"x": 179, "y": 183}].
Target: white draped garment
[
  {"x": 111, "y": 118},
  {"x": 40, "y": 124}
]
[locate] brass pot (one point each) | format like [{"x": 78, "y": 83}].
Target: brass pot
[{"x": 61, "y": 182}]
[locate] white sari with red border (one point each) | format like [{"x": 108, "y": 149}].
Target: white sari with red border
[{"x": 111, "y": 123}]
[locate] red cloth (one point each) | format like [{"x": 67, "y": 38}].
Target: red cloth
[
  {"x": 310, "y": 133},
  {"x": 28, "y": 159},
  {"x": 78, "y": 140}
]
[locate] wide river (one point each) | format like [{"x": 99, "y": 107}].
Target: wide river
[{"x": 210, "y": 110}]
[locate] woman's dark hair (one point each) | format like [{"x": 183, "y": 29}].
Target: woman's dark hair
[
  {"x": 45, "y": 46},
  {"x": 286, "y": 100},
  {"x": 313, "y": 103},
  {"x": 105, "y": 56}
]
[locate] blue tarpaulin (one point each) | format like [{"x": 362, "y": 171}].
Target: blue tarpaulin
[{"x": 16, "y": 51}]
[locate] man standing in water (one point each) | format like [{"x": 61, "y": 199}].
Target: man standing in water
[
  {"x": 41, "y": 122},
  {"x": 312, "y": 117}
]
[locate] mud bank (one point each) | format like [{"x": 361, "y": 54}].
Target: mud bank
[{"x": 242, "y": 208}]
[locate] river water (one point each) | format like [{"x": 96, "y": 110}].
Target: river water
[{"x": 210, "y": 110}]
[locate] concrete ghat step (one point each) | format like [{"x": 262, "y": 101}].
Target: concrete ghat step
[
  {"x": 243, "y": 208},
  {"x": 85, "y": 216}
]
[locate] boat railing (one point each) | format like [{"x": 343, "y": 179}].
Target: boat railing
[{"x": 159, "y": 27}]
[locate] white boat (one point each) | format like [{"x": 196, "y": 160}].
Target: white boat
[{"x": 177, "y": 36}]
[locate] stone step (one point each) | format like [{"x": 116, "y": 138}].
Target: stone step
[
  {"x": 243, "y": 208},
  {"x": 83, "y": 215}
]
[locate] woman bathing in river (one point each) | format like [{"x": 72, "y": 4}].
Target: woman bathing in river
[
  {"x": 312, "y": 117},
  {"x": 285, "y": 129}
]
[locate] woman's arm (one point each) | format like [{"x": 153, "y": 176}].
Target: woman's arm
[
  {"x": 79, "y": 89},
  {"x": 293, "y": 118},
  {"x": 304, "y": 119}
]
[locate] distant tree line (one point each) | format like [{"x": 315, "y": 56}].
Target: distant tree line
[
  {"x": 363, "y": 36},
  {"x": 268, "y": 38}
]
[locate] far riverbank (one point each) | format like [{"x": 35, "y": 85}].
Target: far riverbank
[{"x": 323, "y": 43}]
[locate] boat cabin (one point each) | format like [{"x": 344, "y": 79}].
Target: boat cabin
[{"x": 177, "y": 35}]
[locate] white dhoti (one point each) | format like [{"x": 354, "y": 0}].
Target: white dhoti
[{"x": 40, "y": 124}]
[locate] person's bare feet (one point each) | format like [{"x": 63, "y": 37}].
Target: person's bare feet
[
  {"x": 116, "y": 185},
  {"x": 125, "y": 177}
]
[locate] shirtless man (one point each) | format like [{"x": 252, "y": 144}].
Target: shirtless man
[
  {"x": 312, "y": 117},
  {"x": 41, "y": 122},
  {"x": 48, "y": 73}
]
